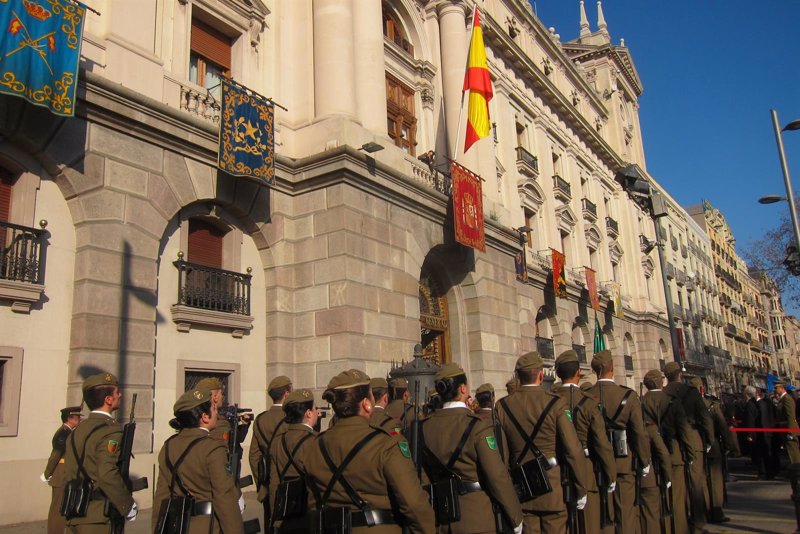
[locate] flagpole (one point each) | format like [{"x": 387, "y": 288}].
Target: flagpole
[{"x": 466, "y": 66}]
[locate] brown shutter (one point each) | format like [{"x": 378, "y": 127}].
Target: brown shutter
[
  {"x": 211, "y": 44},
  {"x": 205, "y": 243},
  {"x": 5, "y": 198}
]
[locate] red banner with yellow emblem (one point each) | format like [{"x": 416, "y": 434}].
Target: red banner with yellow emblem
[
  {"x": 559, "y": 273},
  {"x": 467, "y": 207},
  {"x": 591, "y": 285}
]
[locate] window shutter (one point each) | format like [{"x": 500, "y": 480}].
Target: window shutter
[
  {"x": 5, "y": 198},
  {"x": 205, "y": 243},
  {"x": 211, "y": 44}
]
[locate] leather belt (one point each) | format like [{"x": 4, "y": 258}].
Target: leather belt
[
  {"x": 358, "y": 518},
  {"x": 468, "y": 487},
  {"x": 202, "y": 508}
]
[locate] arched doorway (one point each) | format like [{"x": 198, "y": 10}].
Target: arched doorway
[{"x": 433, "y": 318}]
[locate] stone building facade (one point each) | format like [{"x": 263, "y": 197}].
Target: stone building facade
[{"x": 146, "y": 261}]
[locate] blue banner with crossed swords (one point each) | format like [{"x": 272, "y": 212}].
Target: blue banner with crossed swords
[{"x": 40, "y": 45}]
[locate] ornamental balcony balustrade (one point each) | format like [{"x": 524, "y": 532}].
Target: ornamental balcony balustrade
[
  {"x": 670, "y": 271},
  {"x": 580, "y": 350},
  {"x": 546, "y": 348},
  {"x": 684, "y": 251},
  {"x": 690, "y": 285},
  {"x": 542, "y": 260},
  {"x": 696, "y": 319},
  {"x": 730, "y": 329},
  {"x": 677, "y": 312},
  {"x": 612, "y": 226},
  {"x": 681, "y": 278},
  {"x": 527, "y": 163},
  {"x": 577, "y": 277},
  {"x": 200, "y": 103},
  {"x": 21, "y": 253},
  {"x": 213, "y": 289},
  {"x": 561, "y": 189},
  {"x": 698, "y": 357},
  {"x": 757, "y": 344},
  {"x": 589, "y": 210},
  {"x": 674, "y": 242}
]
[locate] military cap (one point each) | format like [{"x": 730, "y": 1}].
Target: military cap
[
  {"x": 299, "y": 396},
  {"x": 432, "y": 393},
  {"x": 210, "y": 383},
  {"x": 655, "y": 375},
  {"x": 604, "y": 357},
  {"x": 695, "y": 382},
  {"x": 190, "y": 399},
  {"x": 671, "y": 367},
  {"x": 279, "y": 382},
  {"x": 101, "y": 379},
  {"x": 398, "y": 383},
  {"x": 484, "y": 388},
  {"x": 70, "y": 410},
  {"x": 566, "y": 357},
  {"x": 512, "y": 383},
  {"x": 349, "y": 379},
  {"x": 449, "y": 370},
  {"x": 586, "y": 386},
  {"x": 779, "y": 383},
  {"x": 528, "y": 361},
  {"x": 378, "y": 382}
]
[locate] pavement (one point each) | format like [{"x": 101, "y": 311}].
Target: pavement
[{"x": 754, "y": 506}]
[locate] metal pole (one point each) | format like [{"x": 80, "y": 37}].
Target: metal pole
[
  {"x": 787, "y": 181},
  {"x": 673, "y": 333}
]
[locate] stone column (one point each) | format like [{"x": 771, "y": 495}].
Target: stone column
[
  {"x": 334, "y": 59},
  {"x": 454, "y": 43},
  {"x": 370, "y": 73}
]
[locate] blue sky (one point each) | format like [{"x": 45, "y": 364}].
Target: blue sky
[{"x": 711, "y": 71}]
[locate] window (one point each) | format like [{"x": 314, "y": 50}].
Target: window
[
  {"x": 205, "y": 243},
  {"x": 530, "y": 222},
  {"x": 10, "y": 388},
  {"x": 401, "y": 123},
  {"x": 521, "y": 141},
  {"x": 393, "y": 31},
  {"x": 5, "y": 196},
  {"x": 190, "y": 372},
  {"x": 210, "y": 57}
]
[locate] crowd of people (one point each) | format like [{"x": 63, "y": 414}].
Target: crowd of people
[{"x": 577, "y": 458}]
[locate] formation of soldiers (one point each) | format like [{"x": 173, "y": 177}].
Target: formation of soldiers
[{"x": 580, "y": 459}]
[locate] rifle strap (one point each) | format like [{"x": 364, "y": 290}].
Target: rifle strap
[
  {"x": 291, "y": 455},
  {"x": 82, "y": 456},
  {"x": 530, "y": 443},
  {"x": 173, "y": 469},
  {"x": 338, "y": 471},
  {"x": 442, "y": 467},
  {"x": 262, "y": 434},
  {"x": 622, "y": 404}
]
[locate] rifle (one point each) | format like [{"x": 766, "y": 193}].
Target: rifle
[
  {"x": 124, "y": 465},
  {"x": 501, "y": 522},
  {"x": 602, "y": 482},
  {"x": 687, "y": 475},
  {"x": 568, "y": 487},
  {"x": 725, "y": 470},
  {"x": 234, "y": 451}
]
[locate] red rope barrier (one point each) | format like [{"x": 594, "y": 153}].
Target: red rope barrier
[{"x": 785, "y": 430}]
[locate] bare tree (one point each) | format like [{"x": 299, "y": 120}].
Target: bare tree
[{"x": 768, "y": 253}]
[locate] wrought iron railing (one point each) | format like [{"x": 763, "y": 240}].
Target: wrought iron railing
[
  {"x": 560, "y": 184},
  {"x": 21, "y": 253},
  {"x": 213, "y": 289},
  {"x": 589, "y": 207},
  {"x": 612, "y": 225},
  {"x": 528, "y": 159},
  {"x": 545, "y": 347}
]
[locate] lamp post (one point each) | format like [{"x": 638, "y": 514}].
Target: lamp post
[{"x": 794, "y": 125}]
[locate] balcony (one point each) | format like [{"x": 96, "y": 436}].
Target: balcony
[
  {"x": 581, "y": 351},
  {"x": 730, "y": 329},
  {"x": 670, "y": 271},
  {"x": 684, "y": 251},
  {"x": 21, "y": 265},
  {"x": 681, "y": 278},
  {"x": 674, "y": 242},
  {"x": 527, "y": 163},
  {"x": 589, "y": 210},
  {"x": 612, "y": 226},
  {"x": 200, "y": 103},
  {"x": 677, "y": 312},
  {"x": 546, "y": 348},
  {"x": 212, "y": 297},
  {"x": 561, "y": 189}
]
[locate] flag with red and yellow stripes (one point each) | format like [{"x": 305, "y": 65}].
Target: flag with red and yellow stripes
[{"x": 479, "y": 83}]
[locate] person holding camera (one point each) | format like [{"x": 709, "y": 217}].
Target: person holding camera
[
  {"x": 193, "y": 480},
  {"x": 461, "y": 458}
]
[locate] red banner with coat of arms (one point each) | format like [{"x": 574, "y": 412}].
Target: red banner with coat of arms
[
  {"x": 591, "y": 284},
  {"x": 467, "y": 207},
  {"x": 559, "y": 274}
]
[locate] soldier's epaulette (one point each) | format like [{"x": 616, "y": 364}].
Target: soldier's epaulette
[{"x": 624, "y": 387}]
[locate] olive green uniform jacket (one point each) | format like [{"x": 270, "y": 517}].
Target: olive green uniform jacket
[
  {"x": 102, "y": 454},
  {"x": 785, "y": 418},
  {"x": 382, "y": 473},
  {"x": 54, "y": 471},
  {"x": 402, "y": 412},
  {"x": 204, "y": 474},
  {"x": 380, "y": 417},
  {"x": 263, "y": 430},
  {"x": 279, "y": 460}
]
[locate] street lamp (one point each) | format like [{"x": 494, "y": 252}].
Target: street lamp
[{"x": 794, "y": 125}]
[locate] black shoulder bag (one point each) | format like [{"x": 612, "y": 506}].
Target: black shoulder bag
[
  {"x": 618, "y": 436},
  {"x": 176, "y": 510},
  {"x": 530, "y": 479},
  {"x": 292, "y": 497},
  {"x": 78, "y": 491}
]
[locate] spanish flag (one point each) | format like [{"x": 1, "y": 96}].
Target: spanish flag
[{"x": 479, "y": 84}]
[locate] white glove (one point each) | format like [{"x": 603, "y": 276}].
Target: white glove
[
  {"x": 669, "y": 485},
  {"x": 44, "y": 479},
  {"x": 708, "y": 449},
  {"x": 646, "y": 470},
  {"x": 612, "y": 487},
  {"x": 241, "y": 503},
  {"x": 133, "y": 513},
  {"x": 518, "y": 529},
  {"x": 581, "y": 502}
]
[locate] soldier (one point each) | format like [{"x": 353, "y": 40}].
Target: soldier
[
  {"x": 370, "y": 462},
  {"x": 535, "y": 425},
  {"x": 194, "y": 465},
  {"x": 456, "y": 443},
  {"x": 379, "y": 417},
  {"x": 723, "y": 442},
  {"x": 622, "y": 413},
  {"x": 296, "y": 432},
  {"x": 598, "y": 457},
  {"x": 264, "y": 429},
  {"x": 785, "y": 418},
  {"x": 398, "y": 406},
  {"x": 511, "y": 386},
  {"x": 656, "y": 485},
  {"x": 484, "y": 396},
  {"x": 222, "y": 431},
  {"x": 54, "y": 470},
  {"x": 670, "y": 420},
  {"x": 701, "y": 434},
  {"x": 93, "y": 449}
]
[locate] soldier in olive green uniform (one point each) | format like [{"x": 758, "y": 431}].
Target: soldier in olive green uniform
[
  {"x": 701, "y": 435},
  {"x": 379, "y": 417},
  {"x": 54, "y": 470},
  {"x": 98, "y": 441},
  {"x": 785, "y": 417},
  {"x": 380, "y": 466},
  {"x": 533, "y": 407},
  {"x": 399, "y": 406},
  {"x": 484, "y": 396},
  {"x": 670, "y": 419},
  {"x": 622, "y": 411},
  {"x": 264, "y": 429},
  {"x": 202, "y": 473},
  {"x": 723, "y": 437},
  {"x": 301, "y": 414},
  {"x": 480, "y": 471},
  {"x": 584, "y": 412},
  {"x": 651, "y": 514},
  {"x": 512, "y": 385}
]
